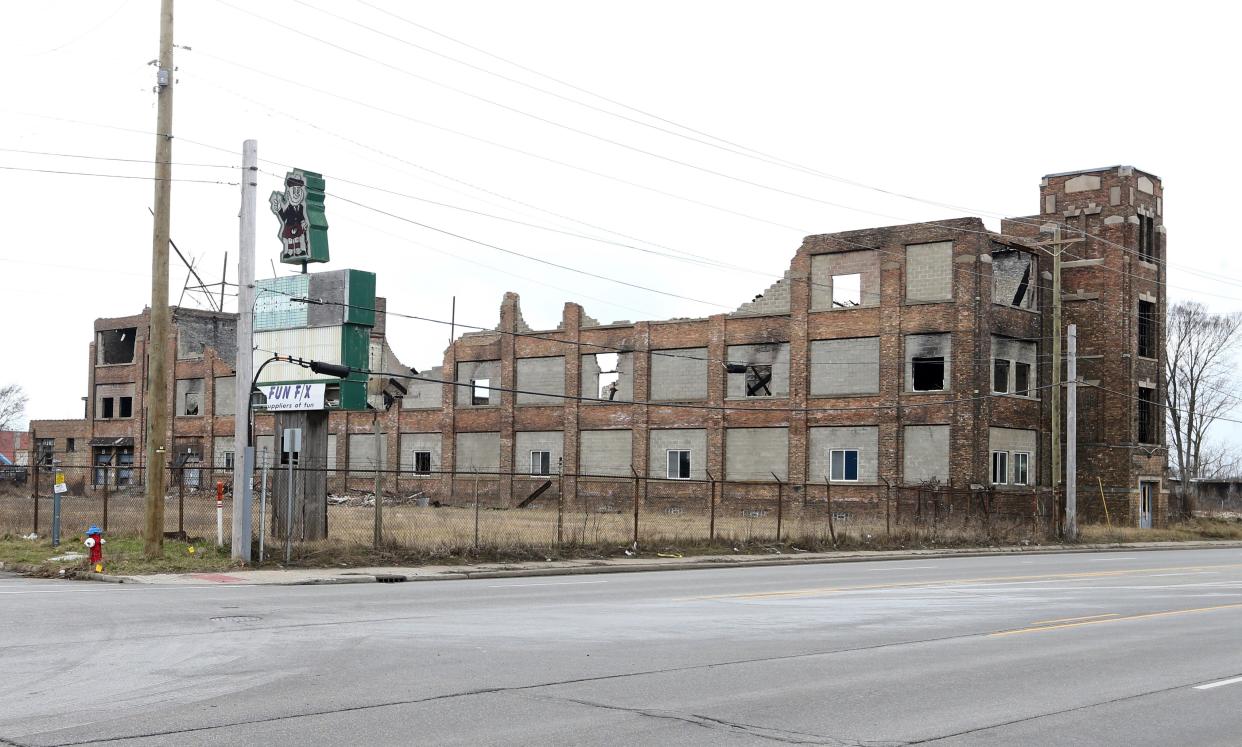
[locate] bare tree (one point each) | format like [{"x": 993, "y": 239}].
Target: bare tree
[
  {"x": 1199, "y": 386},
  {"x": 12, "y": 406}
]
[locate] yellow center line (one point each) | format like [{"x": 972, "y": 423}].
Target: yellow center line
[
  {"x": 1143, "y": 616},
  {"x": 956, "y": 582},
  {"x": 1072, "y": 619}
]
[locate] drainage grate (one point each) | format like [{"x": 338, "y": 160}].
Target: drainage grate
[
  {"x": 236, "y": 619},
  {"x": 389, "y": 578}
]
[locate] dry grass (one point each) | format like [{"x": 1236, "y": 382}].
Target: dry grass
[{"x": 1194, "y": 529}]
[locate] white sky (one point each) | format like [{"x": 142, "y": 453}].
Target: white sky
[{"x": 963, "y": 104}]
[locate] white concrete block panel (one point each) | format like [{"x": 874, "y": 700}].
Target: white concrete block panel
[
  {"x": 769, "y": 361},
  {"x": 679, "y": 374},
  {"x": 468, "y": 371},
  {"x": 929, "y": 271},
  {"x": 424, "y": 395},
  {"x": 846, "y": 366},
  {"x": 926, "y": 454},
  {"x": 865, "y": 439},
  {"x": 921, "y": 364},
  {"x": 543, "y": 375},
  {"x": 524, "y": 442},
  {"x": 478, "y": 452},
  {"x": 414, "y": 442},
  {"x": 605, "y": 452},
  {"x": 362, "y": 451},
  {"x": 864, "y": 262},
  {"x": 607, "y": 376},
  {"x": 222, "y": 449},
  {"x": 754, "y": 454},
  {"x": 1015, "y": 441},
  {"x": 693, "y": 440},
  {"x": 224, "y": 396}
]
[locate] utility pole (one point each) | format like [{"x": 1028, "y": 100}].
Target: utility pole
[
  {"x": 1056, "y": 358},
  {"x": 243, "y": 469},
  {"x": 1057, "y": 245},
  {"x": 1071, "y": 433},
  {"x": 157, "y": 342}
]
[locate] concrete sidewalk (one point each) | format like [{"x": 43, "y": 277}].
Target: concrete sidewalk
[{"x": 305, "y": 576}]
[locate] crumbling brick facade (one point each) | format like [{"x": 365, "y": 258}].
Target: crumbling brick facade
[
  {"x": 897, "y": 355},
  {"x": 896, "y": 382}
]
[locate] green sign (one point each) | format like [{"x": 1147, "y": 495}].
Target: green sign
[{"x": 303, "y": 224}]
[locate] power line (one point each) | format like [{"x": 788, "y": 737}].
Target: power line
[{"x": 116, "y": 176}]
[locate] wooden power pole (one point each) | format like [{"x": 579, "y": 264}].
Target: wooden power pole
[
  {"x": 1055, "y": 247},
  {"x": 157, "y": 343}
]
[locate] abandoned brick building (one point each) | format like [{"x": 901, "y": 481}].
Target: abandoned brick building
[
  {"x": 897, "y": 355},
  {"x": 109, "y": 439},
  {"x": 900, "y": 355}
]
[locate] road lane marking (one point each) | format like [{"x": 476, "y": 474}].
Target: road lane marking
[
  {"x": 956, "y": 582},
  {"x": 1222, "y": 683},
  {"x": 1107, "y": 560},
  {"x": 553, "y": 583},
  {"x": 903, "y": 568},
  {"x": 1144, "y": 616},
  {"x": 1074, "y": 619}
]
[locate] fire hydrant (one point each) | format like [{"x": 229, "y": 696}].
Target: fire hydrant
[{"x": 95, "y": 542}]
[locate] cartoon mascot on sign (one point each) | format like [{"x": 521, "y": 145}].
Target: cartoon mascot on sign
[{"x": 290, "y": 207}]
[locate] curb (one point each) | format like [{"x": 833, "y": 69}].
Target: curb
[
  {"x": 711, "y": 563},
  {"x": 692, "y": 564}
]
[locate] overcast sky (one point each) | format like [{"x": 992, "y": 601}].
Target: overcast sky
[{"x": 959, "y": 104}]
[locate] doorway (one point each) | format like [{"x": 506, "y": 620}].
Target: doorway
[{"x": 1147, "y": 500}]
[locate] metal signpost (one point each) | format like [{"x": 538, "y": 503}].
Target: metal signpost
[
  {"x": 57, "y": 488},
  {"x": 291, "y": 444}
]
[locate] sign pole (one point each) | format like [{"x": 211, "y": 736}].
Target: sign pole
[{"x": 58, "y": 487}]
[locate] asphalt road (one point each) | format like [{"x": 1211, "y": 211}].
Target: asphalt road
[{"x": 1129, "y": 648}]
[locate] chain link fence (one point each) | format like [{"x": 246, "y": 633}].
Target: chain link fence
[{"x": 439, "y": 512}]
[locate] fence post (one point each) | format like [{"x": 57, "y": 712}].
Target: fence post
[
  {"x": 35, "y": 496},
  {"x": 635, "y": 506},
  {"x": 476, "y": 511},
  {"x": 560, "y": 502},
  {"x": 711, "y": 508},
  {"x": 378, "y": 539},
  {"x": 780, "y": 504},
  {"x": 180, "y": 502},
  {"x": 105, "y": 500},
  {"x": 832, "y": 529},
  {"x": 888, "y": 508}
]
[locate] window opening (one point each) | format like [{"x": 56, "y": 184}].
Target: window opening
[
  {"x": 844, "y": 465},
  {"x": 117, "y": 345},
  {"x": 758, "y": 381},
  {"x": 1021, "y": 463},
  {"x": 1000, "y": 376},
  {"x": 609, "y": 374},
  {"x": 1022, "y": 379},
  {"x": 679, "y": 464},
  {"x": 1147, "y": 329},
  {"x": 422, "y": 462},
  {"x": 103, "y": 458},
  {"x": 107, "y": 408},
  {"x": 1000, "y": 467},
  {"x": 70, "y": 444},
  {"x": 125, "y": 465},
  {"x": 540, "y": 462},
  {"x": 846, "y": 291},
  {"x": 1147, "y": 238},
  {"x": 43, "y": 451},
  {"x": 480, "y": 391},
  {"x": 928, "y": 373},
  {"x": 1147, "y": 415}
]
